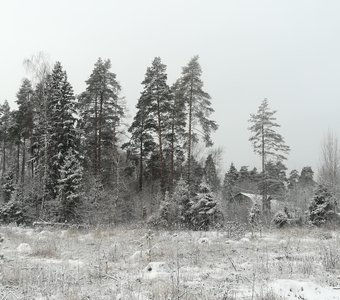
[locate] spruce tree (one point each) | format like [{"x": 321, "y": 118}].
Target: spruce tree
[
  {"x": 210, "y": 174},
  {"x": 204, "y": 212},
  {"x": 69, "y": 186},
  {"x": 267, "y": 143},
  {"x": 62, "y": 132},
  {"x": 230, "y": 179},
  {"x": 276, "y": 178},
  {"x": 293, "y": 179},
  {"x": 306, "y": 177},
  {"x": 321, "y": 207},
  {"x": 181, "y": 201}
]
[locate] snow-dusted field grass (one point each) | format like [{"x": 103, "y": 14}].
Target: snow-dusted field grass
[{"x": 116, "y": 264}]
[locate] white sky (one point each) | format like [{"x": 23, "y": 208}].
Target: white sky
[{"x": 287, "y": 51}]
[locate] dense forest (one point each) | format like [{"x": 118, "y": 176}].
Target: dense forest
[{"x": 73, "y": 158}]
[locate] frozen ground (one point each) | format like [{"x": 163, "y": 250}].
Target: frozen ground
[{"x": 116, "y": 264}]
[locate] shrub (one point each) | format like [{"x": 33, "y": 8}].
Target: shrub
[
  {"x": 165, "y": 217},
  {"x": 321, "y": 208},
  {"x": 199, "y": 213},
  {"x": 204, "y": 212},
  {"x": 280, "y": 219},
  {"x": 12, "y": 212}
]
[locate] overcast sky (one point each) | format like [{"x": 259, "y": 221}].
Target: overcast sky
[{"x": 287, "y": 51}]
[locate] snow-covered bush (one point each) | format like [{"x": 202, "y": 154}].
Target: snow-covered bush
[
  {"x": 199, "y": 213},
  {"x": 280, "y": 219},
  {"x": 12, "y": 212},
  {"x": 204, "y": 212},
  {"x": 321, "y": 207},
  {"x": 69, "y": 187},
  {"x": 254, "y": 218},
  {"x": 165, "y": 216},
  {"x": 7, "y": 186}
]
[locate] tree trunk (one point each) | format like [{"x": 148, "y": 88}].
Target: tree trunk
[
  {"x": 161, "y": 161},
  {"x": 3, "y": 156},
  {"x": 172, "y": 150},
  {"x": 100, "y": 132},
  {"x": 18, "y": 163},
  {"x": 31, "y": 158},
  {"x": 141, "y": 164},
  {"x": 189, "y": 139},
  {"x": 96, "y": 136},
  {"x": 45, "y": 151},
  {"x": 23, "y": 163},
  {"x": 265, "y": 200}
]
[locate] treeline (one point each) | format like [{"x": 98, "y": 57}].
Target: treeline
[
  {"x": 278, "y": 182},
  {"x": 74, "y": 158}
]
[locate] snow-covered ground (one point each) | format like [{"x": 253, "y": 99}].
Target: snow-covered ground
[{"x": 133, "y": 263}]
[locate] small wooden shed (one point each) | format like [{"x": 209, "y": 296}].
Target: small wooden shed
[{"x": 248, "y": 200}]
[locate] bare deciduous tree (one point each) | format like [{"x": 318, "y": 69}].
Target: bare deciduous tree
[{"x": 329, "y": 170}]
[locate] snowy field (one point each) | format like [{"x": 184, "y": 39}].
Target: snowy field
[{"x": 116, "y": 264}]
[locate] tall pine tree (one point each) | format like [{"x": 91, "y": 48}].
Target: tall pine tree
[
  {"x": 25, "y": 119},
  {"x": 153, "y": 115},
  {"x": 267, "y": 143},
  {"x": 199, "y": 108},
  {"x": 101, "y": 112},
  {"x": 175, "y": 135}
]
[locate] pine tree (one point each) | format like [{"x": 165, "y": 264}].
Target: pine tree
[
  {"x": 151, "y": 120},
  {"x": 141, "y": 140},
  {"x": 175, "y": 135},
  {"x": 25, "y": 119},
  {"x": 5, "y": 123},
  {"x": 157, "y": 99},
  {"x": 199, "y": 108},
  {"x": 101, "y": 111},
  {"x": 14, "y": 138},
  {"x": 266, "y": 142}
]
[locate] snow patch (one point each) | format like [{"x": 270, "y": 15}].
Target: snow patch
[
  {"x": 24, "y": 248},
  {"x": 137, "y": 256},
  {"x": 158, "y": 270},
  {"x": 204, "y": 241},
  {"x": 293, "y": 289},
  {"x": 245, "y": 240}
]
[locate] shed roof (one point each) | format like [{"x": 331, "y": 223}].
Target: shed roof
[{"x": 255, "y": 198}]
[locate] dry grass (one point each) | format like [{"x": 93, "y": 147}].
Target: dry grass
[{"x": 109, "y": 263}]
